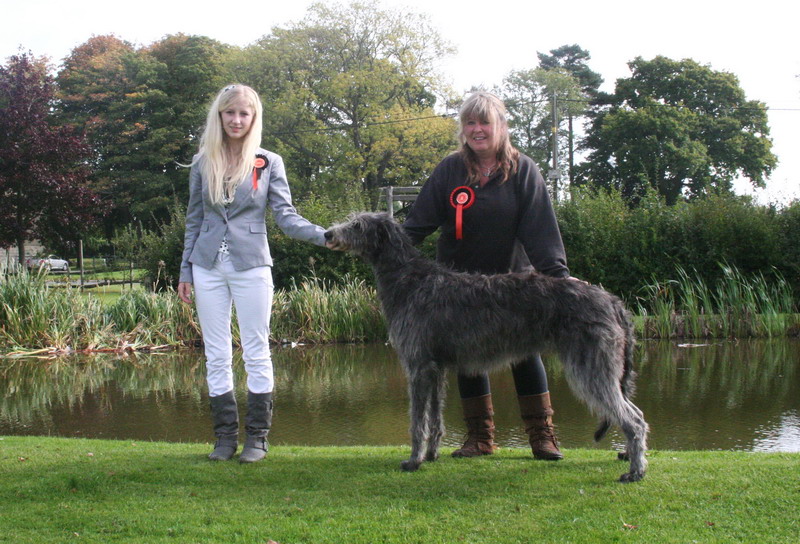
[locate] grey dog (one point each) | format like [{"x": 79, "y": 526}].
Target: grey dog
[{"x": 439, "y": 319}]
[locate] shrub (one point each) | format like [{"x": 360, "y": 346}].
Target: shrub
[
  {"x": 162, "y": 249},
  {"x": 625, "y": 249}
]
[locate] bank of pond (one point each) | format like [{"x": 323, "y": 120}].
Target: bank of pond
[{"x": 37, "y": 319}]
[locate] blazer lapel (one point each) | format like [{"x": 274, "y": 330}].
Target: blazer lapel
[{"x": 244, "y": 193}]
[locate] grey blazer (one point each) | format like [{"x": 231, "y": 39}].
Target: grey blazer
[{"x": 243, "y": 221}]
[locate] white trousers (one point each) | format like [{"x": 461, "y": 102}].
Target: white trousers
[{"x": 251, "y": 293}]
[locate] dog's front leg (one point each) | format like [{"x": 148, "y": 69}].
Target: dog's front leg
[
  {"x": 421, "y": 383},
  {"x": 436, "y": 411}
]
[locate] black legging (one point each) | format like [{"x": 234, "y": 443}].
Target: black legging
[{"x": 529, "y": 374}]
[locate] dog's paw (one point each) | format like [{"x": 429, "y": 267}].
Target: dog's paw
[
  {"x": 409, "y": 465},
  {"x": 432, "y": 456},
  {"x": 629, "y": 477}
]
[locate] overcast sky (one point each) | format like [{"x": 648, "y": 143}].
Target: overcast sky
[{"x": 755, "y": 41}]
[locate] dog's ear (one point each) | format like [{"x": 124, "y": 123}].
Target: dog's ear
[{"x": 395, "y": 235}]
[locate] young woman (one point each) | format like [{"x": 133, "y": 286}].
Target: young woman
[
  {"x": 226, "y": 260},
  {"x": 495, "y": 215}
]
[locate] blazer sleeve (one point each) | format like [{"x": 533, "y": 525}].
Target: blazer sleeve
[
  {"x": 285, "y": 214},
  {"x": 194, "y": 220}
]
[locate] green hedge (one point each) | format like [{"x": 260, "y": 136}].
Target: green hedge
[{"x": 626, "y": 249}]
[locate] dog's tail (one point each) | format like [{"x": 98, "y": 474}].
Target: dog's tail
[
  {"x": 628, "y": 381},
  {"x": 602, "y": 429}
]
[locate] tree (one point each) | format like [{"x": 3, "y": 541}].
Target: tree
[
  {"x": 349, "y": 96},
  {"x": 43, "y": 167},
  {"x": 142, "y": 109},
  {"x": 528, "y": 96},
  {"x": 573, "y": 59},
  {"x": 680, "y": 127}
]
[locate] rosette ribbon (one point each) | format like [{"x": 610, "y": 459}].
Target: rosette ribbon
[
  {"x": 258, "y": 167},
  {"x": 461, "y": 198}
]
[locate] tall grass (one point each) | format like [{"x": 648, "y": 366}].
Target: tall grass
[
  {"x": 317, "y": 311},
  {"x": 146, "y": 318},
  {"x": 736, "y": 306},
  {"x": 35, "y": 316}
]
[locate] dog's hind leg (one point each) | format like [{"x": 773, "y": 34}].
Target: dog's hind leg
[
  {"x": 593, "y": 372},
  {"x": 635, "y": 428},
  {"x": 614, "y": 407},
  {"x": 422, "y": 387}
]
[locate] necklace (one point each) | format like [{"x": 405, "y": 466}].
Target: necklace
[{"x": 488, "y": 171}]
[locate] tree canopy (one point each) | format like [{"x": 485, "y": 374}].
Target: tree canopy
[
  {"x": 528, "y": 96},
  {"x": 353, "y": 100},
  {"x": 142, "y": 110},
  {"x": 43, "y": 166},
  {"x": 573, "y": 60},
  {"x": 349, "y": 96},
  {"x": 679, "y": 127}
]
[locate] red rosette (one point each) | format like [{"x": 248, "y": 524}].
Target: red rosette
[
  {"x": 258, "y": 167},
  {"x": 461, "y": 198}
]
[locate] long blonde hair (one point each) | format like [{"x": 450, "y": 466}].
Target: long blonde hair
[
  {"x": 213, "y": 142},
  {"x": 487, "y": 108}
]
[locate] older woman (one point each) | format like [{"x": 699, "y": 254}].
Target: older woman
[{"x": 492, "y": 207}]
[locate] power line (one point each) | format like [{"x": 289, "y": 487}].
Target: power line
[
  {"x": 364, "y": 125},
  {"x": 342, "y": 128},
  {"x": 762, "y": 108}
]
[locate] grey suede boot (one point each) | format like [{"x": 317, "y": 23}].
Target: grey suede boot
[
  {"x": 225, "y": 416},
  {"x": 257, "y": 424}
]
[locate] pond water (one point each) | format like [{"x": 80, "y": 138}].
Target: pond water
[{"x": 721, "y": 396}]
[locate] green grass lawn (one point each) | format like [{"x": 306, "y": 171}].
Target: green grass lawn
[
  {"x": 78, "y": 490},
  {"x": 109, "y": 294}
]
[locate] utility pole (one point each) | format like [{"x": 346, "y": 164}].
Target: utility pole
[{"x": 554, "y": 175}]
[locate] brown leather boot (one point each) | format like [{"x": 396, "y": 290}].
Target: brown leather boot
[
  {"x": 537, "y": 415},
  {"x": 478, "y": 415}
]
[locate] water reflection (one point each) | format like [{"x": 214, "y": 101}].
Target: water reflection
[{"x": 728, "y": 395}]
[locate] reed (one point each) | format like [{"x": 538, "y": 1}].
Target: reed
[
  {"x": 737, "y": 306},
  {"x": 153, "y": 319},
  {"x": 35, "y": 316},
  {"x": 317, "y": 311},
  {"x": 39, "y": 319}
]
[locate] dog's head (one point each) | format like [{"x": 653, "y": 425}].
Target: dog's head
[{"x": 366, "y": 235}]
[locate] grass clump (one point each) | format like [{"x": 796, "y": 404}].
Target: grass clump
[
  {"x": 32, "y": 315},
  {"x": 316, "y": 311},
  {"x": 137, "y": 311},
  {"x": 737, "y": 306},
  {"x": 35, "y": 317}
]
